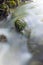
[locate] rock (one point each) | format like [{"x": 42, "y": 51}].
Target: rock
[
  {"x": 4, "y": 10},
  {"x": 11, "y": 4},
  {"x": 20, "y": 24},
  {"x": 3, "y": 38}
]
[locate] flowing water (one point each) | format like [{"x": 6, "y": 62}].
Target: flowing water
[{"x": 15, "y": 50}]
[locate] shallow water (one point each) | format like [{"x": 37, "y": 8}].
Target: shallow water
[{"x": 15, "y": 51}]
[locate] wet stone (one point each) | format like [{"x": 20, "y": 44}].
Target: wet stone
[{"x": 3, "y": 38}]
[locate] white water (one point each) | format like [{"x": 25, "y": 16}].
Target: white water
[{"x": 15, "y": 51}]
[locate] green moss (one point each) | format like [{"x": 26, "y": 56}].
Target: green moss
[
  {"x": 20, "y": 25},
  {"x": 4, "y": 10},
  {"x": 3, "y": 6},
  {"x": 11, "y": 4}
]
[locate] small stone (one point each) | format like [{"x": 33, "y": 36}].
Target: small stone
[{"x": 3, "y": 38}]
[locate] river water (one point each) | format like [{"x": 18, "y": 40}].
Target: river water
[{"x": 15, "y": 50}]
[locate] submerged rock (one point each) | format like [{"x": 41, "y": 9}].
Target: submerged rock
[{"x": 3, "y": 38}]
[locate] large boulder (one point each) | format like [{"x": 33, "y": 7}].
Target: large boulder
[
  {"x": 11, "y": 4},
  {"x": 4, "y": 10},
  {"x": 20, "y": 25}
]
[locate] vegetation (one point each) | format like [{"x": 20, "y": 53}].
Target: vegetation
[
  {"x": 11, "y": 4},
  {"x": 14, "y": 3}
]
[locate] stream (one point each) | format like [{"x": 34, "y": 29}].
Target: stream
[{"x": 15, "y": 51}]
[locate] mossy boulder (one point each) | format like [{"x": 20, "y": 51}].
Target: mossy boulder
[
  {"x": 20, "y": 25},
  {"x": 3, "y": 6},
  {"x": 11, "y": 4},
  {"x": 4, "y": 10}
]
